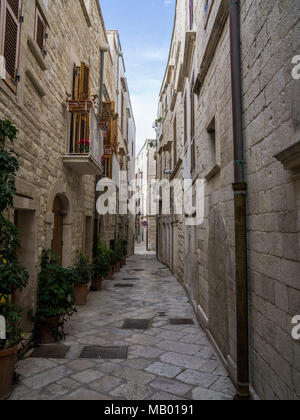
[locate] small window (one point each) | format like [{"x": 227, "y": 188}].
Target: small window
[
  {"x": 206, "y": 7},
  {"x": 191, "y": 14},
  {"x": 40, "y": 31},
  {"x": 212, "y": 148}
]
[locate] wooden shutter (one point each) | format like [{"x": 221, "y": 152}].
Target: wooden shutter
[
  {"x": 84, "y": 87},
  {"x": 11, "y": 39},
  {"x": 40, "y": 31}
]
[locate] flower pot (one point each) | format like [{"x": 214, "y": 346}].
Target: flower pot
[
  {"x": 47, "y": 330},
  {"x": 117, "y": 267},
  {"x": 7, "y": 365},
  {"x": 80, "y": 294},
  {"x": 98, "y": 284},
  {"x": 124, "y": 261}
]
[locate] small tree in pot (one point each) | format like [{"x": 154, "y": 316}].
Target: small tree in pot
[
  {"x": 13, "y": 276},
  {"x": 55, "y": 299},
  {"x": 101, "y": 265},
  {"x": 82, "y": 273}
]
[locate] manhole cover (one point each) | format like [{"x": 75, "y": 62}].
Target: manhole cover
[
  {"x": 136, "y": 324},
  {"x": 123, "y": 285},
  {"x": 184, "y": 321},
  {"x": 50, "y": 352},
  {"x": 109, "y": 353}
]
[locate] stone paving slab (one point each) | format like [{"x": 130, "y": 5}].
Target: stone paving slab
[{"x": 165, "y": 362}]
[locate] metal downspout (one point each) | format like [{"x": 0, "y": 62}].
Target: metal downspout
[{"x": 240, "y": 192}]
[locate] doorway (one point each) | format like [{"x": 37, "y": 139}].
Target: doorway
[{"x": 57, "y": 241}]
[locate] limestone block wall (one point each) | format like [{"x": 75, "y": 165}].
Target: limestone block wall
[
  {"x": 270, "y": 39},
  {"x": 40, "y": 114}
]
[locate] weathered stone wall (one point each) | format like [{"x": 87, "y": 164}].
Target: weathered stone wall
[
  {"x": 270, "y": 39},
  {"x": 43, "y": 123}
]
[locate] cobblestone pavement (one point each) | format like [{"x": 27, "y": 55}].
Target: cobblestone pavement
[{"x": 164, "y": 362}]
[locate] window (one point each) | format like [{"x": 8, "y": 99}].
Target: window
[
  {"x": 175, "y": 142},
  {"x": 40, "y": 34},
  {"x": 191, "y": 14},
  {"x": 185, "y": 120},
  {"x": 10, "y": 39},
  {"x": 211, "y": 130},
  {"x": 193, "y": 151},
  {"x": 80, "y": 120},
  {"x": 206, "y": 7}
]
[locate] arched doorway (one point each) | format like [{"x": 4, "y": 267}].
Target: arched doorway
[{"x": 57, "y": 241}]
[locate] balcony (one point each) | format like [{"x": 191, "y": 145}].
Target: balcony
[{"x": 86, "y": 144}]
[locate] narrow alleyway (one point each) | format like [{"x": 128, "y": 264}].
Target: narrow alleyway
[{"x": 164, "y": 362}]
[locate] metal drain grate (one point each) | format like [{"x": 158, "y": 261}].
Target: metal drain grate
[
  {"x": 107, "y": 353},
  {"x": 50, "y": 352},
  {"x": 124, "y": 285},
  {"x": 136, "y": 324},
  {"x": 184, "y": 321},
  {"x": 161, "y": 314},
  {"x": 138, "y": 269},
  {"x": 130, "y": 279}
]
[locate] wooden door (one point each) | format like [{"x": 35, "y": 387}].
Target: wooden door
[{"x": 57, "y": 242}]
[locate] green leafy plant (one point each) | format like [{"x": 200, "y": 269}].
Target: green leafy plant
[
  {"x": 14, "y": 333},
  {"x": 102, "y": 261},
  {"x": 82, "y": 270},
  {"x": 55, "y": 298},
  {"x": 13, "y": 275}
]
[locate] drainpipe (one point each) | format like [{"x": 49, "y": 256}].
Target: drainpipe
[
  {"x": 103, "y": 48},
  {"x": 240, "y": 192}
]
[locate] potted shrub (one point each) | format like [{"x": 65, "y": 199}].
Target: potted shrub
[
  {"x": 55, "y": 299},
  {"x": 124, "y": 250},
  {"x": 82, "y": 278},
  {"x": 101, "y": 265},
  {"x": 13, "y": 276},
  {"x": 114, "y": 260}
]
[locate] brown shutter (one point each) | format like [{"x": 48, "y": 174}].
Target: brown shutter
[
  {"x": 84, "y": 88},
  {"x": 40, "y": 32},
  {"x": 11, "y": 40}
]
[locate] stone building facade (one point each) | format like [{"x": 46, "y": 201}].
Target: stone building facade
[
  {"x": 51, "y": 90},
  {"x": 146, "y": 206},
  {"x": 195, "y": 129}
]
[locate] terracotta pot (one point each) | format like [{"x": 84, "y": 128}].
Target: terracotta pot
[
  {"x": 80, "y": 294},
  {"x": 117, "y": 267},
  {"x": 47, "y": 329},
  {"x": 98, "y": 284},
  {"x": 7, "y": 365},
  {"x": 124, "y": 261}
]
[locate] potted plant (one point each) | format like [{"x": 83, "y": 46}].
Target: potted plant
[
  {"x": 119, "y": 254},
  {"x": 55, "y": 299},
  {"x": 13, "y": 276},
  {"x": 101, "y": 265},
  {"x": 114, "y": 260},
  {"x": 124, "y": 250},
  {"x": 82, "y": 272}
]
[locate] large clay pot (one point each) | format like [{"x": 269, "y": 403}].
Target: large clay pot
[
  {"x": 124, "y": 261},
  {"x": 117, "y": 267},
  {"x": 47, "y": 329},
  {"x": 98, "y": 284},
  {"x": 7, "y": 365},
  {"x": 80, "y": 294}
]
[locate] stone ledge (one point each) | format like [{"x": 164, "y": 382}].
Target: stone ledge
[
  {"x": 212, "y": 172},
  {"x": 38, "y": 87},
  {"x": 37, "y": 53},
  {"x": 290, "y": 159}
]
